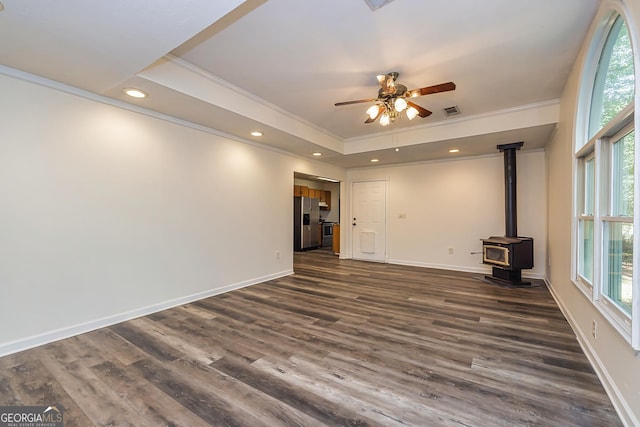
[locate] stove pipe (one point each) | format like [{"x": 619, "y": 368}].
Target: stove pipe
[{"x": 510, "y": 188}]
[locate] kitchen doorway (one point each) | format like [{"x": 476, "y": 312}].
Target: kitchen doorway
[{"x": 325, "y": 193}]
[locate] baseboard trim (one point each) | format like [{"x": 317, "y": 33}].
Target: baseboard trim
[
  {"x": 56, "y": 335},
  {"x": 617, "y": 398},
  {"x": 465, "y": 269}
]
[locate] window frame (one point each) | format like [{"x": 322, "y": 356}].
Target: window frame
[
  {"x": 616, "y": 314},
  {"x": 599, "y": 147},
  {"x": 582, "y": 217}
]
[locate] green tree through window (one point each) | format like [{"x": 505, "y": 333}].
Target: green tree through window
[{"x": 615, "y": 81}]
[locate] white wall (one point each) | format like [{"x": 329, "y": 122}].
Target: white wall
[
  {"x": 454, "y": 204},
  {"x": 107, "y": 213},
  {"x": 613, "y": 358}
]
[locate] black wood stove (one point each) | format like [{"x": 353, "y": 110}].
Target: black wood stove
[{"x": 509, "y": 254}]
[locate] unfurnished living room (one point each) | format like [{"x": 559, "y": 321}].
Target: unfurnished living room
[{"x": 348, "y": 212}]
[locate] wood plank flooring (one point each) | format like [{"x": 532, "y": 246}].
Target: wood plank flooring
[{"x": 338, "y": 343}]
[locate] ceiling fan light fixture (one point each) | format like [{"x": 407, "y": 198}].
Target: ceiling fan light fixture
[
  {"x": 411, "y": 113},
  {"x": 373, "y": 111},
  {"x": 392, "y": 99},
  {"x": 400, "y": 104}
]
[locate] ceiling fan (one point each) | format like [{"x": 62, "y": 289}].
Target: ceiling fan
[{"x": 393, "y": 99}]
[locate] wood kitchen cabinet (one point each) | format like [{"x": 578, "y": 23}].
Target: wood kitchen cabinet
[
  {"x": 301, "y": 190},
  {"x": 336, "y": 239},
  {"x": 326, "y": 197},
  {"x": 322, "y": 195}
]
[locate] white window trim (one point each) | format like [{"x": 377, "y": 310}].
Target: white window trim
[
  {"x": 598, "y": 145},
  {"x": 585, "y": 285}
]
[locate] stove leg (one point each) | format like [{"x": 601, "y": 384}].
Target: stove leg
[{"x": 508, "y": 275}]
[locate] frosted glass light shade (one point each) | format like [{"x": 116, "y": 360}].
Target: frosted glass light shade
[
  {"x": 385, "y": 120},
  {"x": 373, "y": 111},
  {"x": 411, "y": 113},
  {"x": 400, "y": 104}
]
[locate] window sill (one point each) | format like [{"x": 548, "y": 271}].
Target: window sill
[
  {"x": 619, "y": 322},
  {"x": 606, "y": 308},
  {"x": 584, "y": 287}
]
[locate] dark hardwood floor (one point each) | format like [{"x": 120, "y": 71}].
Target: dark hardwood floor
[{"x": 338, "y": 343}]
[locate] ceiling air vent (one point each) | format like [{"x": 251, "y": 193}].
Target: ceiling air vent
[
  {"x": 377, "y": 4},
  {"x": 451, "y": 111}
]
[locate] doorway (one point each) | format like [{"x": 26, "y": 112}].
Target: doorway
[{"x": 326, "y": 193}]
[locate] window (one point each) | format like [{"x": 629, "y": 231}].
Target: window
[
  {"x": 618, "y": 226},
  {"x": 586, "y": 221},
  {"x": 613, "y": 88},
  {"x": 605, "y": 204}
]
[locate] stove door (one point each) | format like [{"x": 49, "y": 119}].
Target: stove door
[{"x": 495, "y": 255}]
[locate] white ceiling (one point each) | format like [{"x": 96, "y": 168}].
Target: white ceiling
[{"x": 280, "y": 65}]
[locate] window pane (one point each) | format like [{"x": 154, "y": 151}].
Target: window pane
[
  {"x": 614, "y": 84},
  {"x": 589, "y": 186},
  {"x": 585, "y": 267},
  {"x": 619, "y": 264},
  {"x": 622, "y": 177}
]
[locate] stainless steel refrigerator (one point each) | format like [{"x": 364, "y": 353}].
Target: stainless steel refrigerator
[{"x": 306, "y": 223}]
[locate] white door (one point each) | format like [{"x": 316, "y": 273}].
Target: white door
[{"x": 368, "y": 220}]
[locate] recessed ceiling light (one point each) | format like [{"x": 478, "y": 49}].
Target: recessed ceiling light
[
  {"x": 256, "y": 133},
  {"x": 135, "y": 93},
  {"x": 317, "y": 154},
  {"x": 375, "y": 160},
  {"x": 397, "y": 149},
  {"x": 454, "y": 150}
]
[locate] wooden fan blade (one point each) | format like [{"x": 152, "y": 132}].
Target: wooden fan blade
[
  {"x": 443, "y": 87},
  {"x": 359, "y": 101},
  {"x": 422, "y": 112}
]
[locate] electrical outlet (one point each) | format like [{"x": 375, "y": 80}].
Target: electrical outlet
[
  {"x": 402, "y": 215},
  {"x": 594, "y": 329},
  {"x": 277, "y": 254},
  {"x": 450, "y": 251}
]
